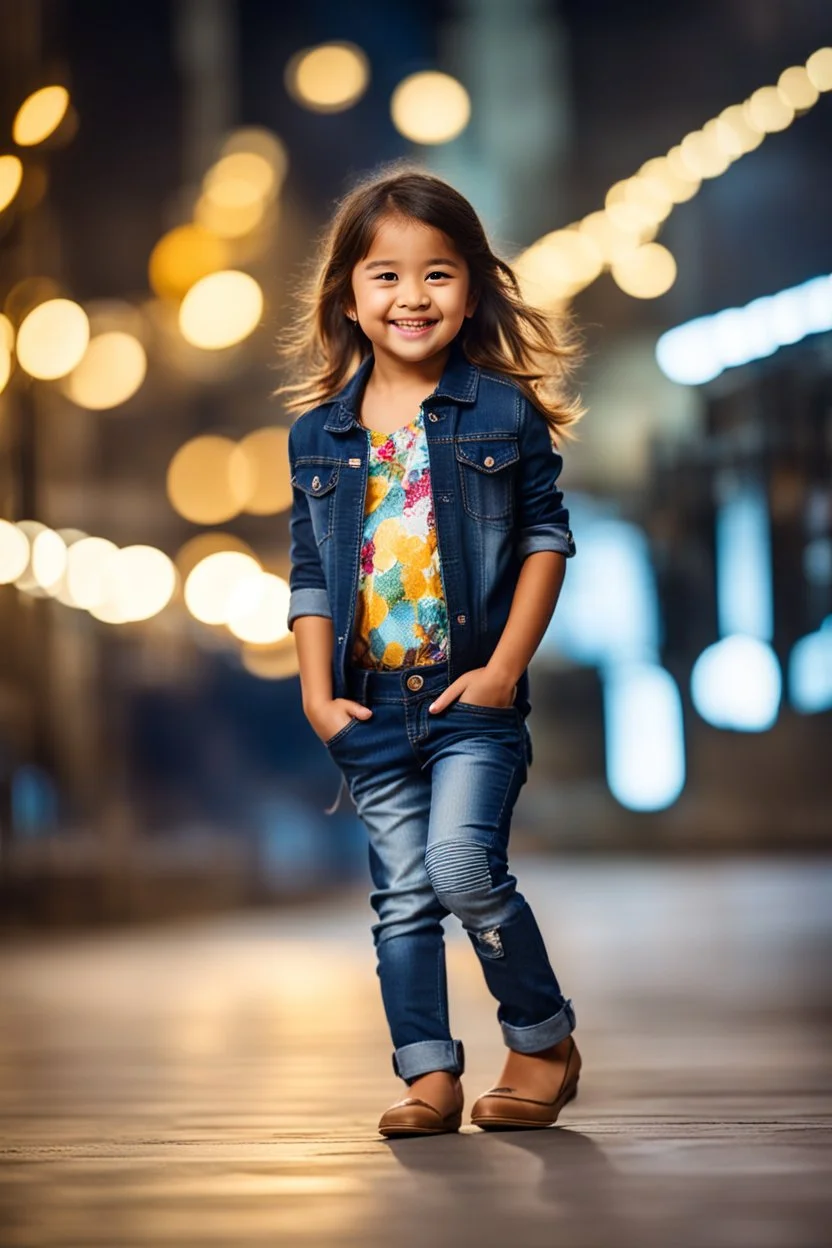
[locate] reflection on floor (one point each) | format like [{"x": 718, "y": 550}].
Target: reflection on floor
[{"x": 219, "y": 1083}]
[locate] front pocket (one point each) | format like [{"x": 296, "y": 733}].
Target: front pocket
[
  {"x": 486, "y": 475},
  {"x": 318, "y": 479},
  {"x": 342, "y": 732},
  {"x": 487, "y": 710}
]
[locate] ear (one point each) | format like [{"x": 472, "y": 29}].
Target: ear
[
  {"x": 349, "y": 312},
  {"x": 471, "y": 303}
]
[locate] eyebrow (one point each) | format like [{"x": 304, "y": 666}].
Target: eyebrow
[{"x": 390, "y": 264}]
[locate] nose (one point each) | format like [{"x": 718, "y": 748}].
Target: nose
[{"x": 412, "y": 295}]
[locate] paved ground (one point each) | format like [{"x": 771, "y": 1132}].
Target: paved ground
[{"x": 219, "y": 1083}]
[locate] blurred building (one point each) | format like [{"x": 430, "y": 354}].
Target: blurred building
[{"x": 152, "y": 758}]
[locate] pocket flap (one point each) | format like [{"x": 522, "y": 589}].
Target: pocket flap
[
  {"x": 488, "y": 454},
  {"x": 315, "y": 479}
]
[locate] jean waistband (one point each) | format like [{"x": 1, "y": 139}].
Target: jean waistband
[{"x": 402, "y": 684}]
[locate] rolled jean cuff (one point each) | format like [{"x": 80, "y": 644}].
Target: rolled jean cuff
[
  {"x": 413, "y": 1060},
  {"x": 541, "y": 1035}
]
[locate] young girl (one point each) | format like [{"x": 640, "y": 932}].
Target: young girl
[{"x": 428, "y": 547}]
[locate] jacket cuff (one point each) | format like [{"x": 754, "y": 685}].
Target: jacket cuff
[
  {"x": 307, "y": 602},
  {"x": 546, "y": 537}
]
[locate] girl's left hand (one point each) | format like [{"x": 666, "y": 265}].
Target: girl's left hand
[{"x": 480, "y": 687}]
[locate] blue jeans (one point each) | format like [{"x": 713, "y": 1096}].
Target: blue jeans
[{"x": 436, "y": 794}]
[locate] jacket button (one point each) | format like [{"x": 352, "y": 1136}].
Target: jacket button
[
  {"x": 460, "y": 619},
  {"x": 316, "y": 483},
  {"x": 489, "y": 461},
  {"x": 415, "y": 682},
  {"x": 432, "y": 416}
]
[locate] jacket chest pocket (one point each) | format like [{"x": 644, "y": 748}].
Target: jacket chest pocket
[
  {"x": 486, "y": 468},
  {"x": 318, "y": 479}
]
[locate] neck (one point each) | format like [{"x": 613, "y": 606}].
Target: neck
[{"x": 390, "y": 373}]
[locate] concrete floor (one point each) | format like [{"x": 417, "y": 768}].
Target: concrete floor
[{"x": 219, "y": 1083}]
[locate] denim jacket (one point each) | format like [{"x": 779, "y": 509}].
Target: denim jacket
[{"x": 494, "y": 477}]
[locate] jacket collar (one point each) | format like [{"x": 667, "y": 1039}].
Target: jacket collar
[{"x": 458, "y": 382}]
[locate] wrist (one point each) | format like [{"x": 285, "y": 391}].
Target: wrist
[{"x": 504, "y": 675}]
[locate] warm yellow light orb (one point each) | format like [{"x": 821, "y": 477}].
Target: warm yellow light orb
[
  {"x": 205, "y": 544},
  {"x": 797, "y": 88},
  {"x": 275, "y": 662},
  {"x": 221, "y": 310},
  {"x": 258, "y": 609},
  {"x": 260, "y": 142},
  {"x": 646, "y": 272},
  {"x": 266, "y": 451},
  {"x": 240, "y": 176},
  {"x": 112, "y": 370},
  {"x": 11, "y": 175},
  {"x": 768, "y": 111},
  {"x": 48, "y": 559},
  {"x": 209, "y": 480},
  {"x": 5, "y": 365},
  {"x": 52, "y": 339},
  {"x": 14, "y": 552},
  {"x": 143, "y": 581},
  {"x": 90, "y": 569},
  {"x": 329, "y": 78},
  {"x": 211, "y": 584},
  {"x": 181, "y": 257},
  {"x": 40, "y": 115},
  {"x": 229, "y": 219},
  {"x": 819, "y": 69},
  {"x": 430, "y": 107}
]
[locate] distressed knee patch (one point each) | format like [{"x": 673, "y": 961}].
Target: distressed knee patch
[{"x": 458, "y": 867}]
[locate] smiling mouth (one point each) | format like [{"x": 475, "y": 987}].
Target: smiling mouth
[{"x": 424, "y": 323}]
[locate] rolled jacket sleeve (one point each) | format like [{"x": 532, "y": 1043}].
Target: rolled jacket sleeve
[
  {"x": 543, "y": 521},
  {"x": 308, "y": 594}
]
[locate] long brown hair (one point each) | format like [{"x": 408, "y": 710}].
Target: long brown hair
[{"x": 504, "y": 334}]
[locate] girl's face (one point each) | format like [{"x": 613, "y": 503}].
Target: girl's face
[{"x": 411, "y": 291}]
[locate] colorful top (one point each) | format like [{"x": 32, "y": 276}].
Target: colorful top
[{"x": 401, "y": 616}]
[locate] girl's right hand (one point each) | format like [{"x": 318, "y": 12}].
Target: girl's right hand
[{"x": 330, "y": 717}]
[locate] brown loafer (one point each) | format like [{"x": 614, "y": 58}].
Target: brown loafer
[
  {"x": 413, "y": 1116},
  {"x": 502, "y": 1108}
]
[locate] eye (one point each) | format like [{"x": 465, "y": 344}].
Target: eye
[
  {"x": 383, "y": 276},
  {"x": 438, "y": 273}
]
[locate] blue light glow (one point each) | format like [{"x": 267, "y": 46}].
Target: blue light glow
[
  {"x": 698, "y": 351},
  {"x": 644, "y": 736},
  {"x": 609, "y": 611},
  {"x": 745, "y": 600},
  {"x": 736, "y": 684},
  {"x": 810, "y": 671}
]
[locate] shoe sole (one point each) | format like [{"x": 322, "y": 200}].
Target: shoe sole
[
  {"x": 492, "y": 1123},
  {"x": 453, "y": 1125}
]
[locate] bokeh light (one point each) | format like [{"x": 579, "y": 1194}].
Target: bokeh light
[
  {"x": 797, "y": 88},
  {"x": 267, "y": 454},
  {"x": 183, "y": 256},
  {"x": 209, "y": 480},
  {"x": 258, "y": 609},
  {"x": 736, "y": 684},
  {"x": 221, "y": 310},
  {"x": 53, "y": 338},
  {"x": 14, "y": 552},
  {"x": 644, "y": 736},
  {"x": 90, "y": 571},
  {"x": 430, "y": 107},
  {"x": 112, "y": 370},
  {"x": 275, "y": 662},
  {"x": 40, "y": 115},
  {"x": 328, "y": 78},
  {"x": 205, "y": 544},
  {"x": 141, "y": 581},
  {"x": 768, "y": 111},
  {"x": 261, "y": 142},
  {"x": 819, "y": 69},
  {"x": 211, "y": 584},
  {"x": 48, "y": 559},
  {"x": 646, "y": 272},
  {"x": 11, "y": 176}
]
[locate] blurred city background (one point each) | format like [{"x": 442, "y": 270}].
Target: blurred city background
[
  {"x": 662, "y": 173},
  {"x": 165, "y": 171}
]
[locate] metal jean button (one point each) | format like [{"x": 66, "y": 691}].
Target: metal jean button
[{"x": 415, "y": 682}]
